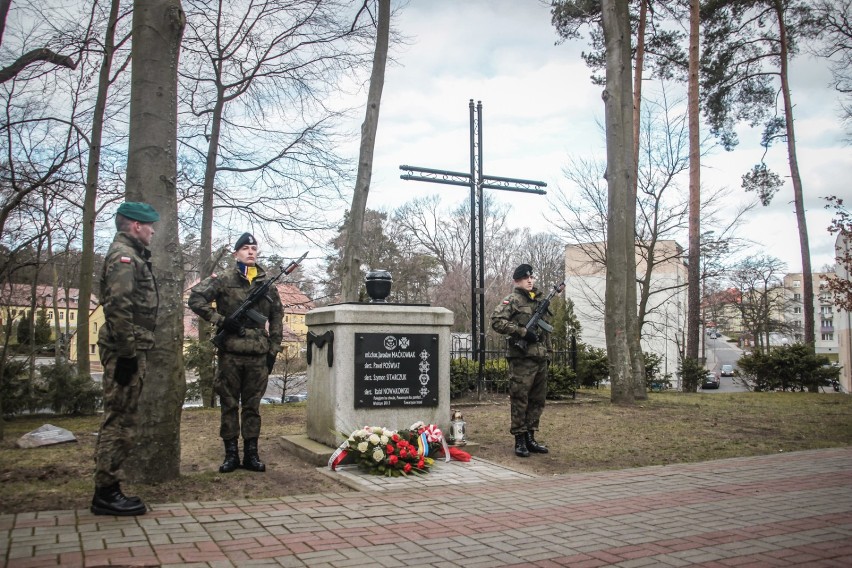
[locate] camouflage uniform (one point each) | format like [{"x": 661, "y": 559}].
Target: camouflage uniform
[
  {"x": 241, "y": 375},
  {"x": 527, "y": 368},
  {"x": 130, "y": 299}
]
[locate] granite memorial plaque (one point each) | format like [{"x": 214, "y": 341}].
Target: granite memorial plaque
[{"x": 396, "y": 370}]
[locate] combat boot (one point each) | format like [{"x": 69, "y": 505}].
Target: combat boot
[
  {"x": 131, "y": 498},
  {"x": 533, "y": 446},
  {"x": 251, "y": 461},
  {"x": 232, "y": 456},
  {"x": 111, "y": 501},
  {"x": 521, "y": 446}
]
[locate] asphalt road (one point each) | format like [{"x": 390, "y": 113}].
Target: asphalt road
[{"x": 720, "y": 352}]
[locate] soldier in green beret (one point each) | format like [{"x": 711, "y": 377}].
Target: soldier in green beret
[
  {"x": 130, "y": 300},
  {"x": 247, "y": 353},
  {"x": 527, "y": 367}
]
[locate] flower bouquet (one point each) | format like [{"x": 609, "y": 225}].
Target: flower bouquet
[{"x": 380, "y": 451}]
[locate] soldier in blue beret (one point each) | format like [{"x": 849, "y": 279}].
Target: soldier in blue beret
[{"x": 130, "y": 300}]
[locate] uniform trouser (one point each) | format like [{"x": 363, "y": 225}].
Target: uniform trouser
[
  {"x": 240, "y": 381},
  {"x": 527, "y": 391},
  {"x": 118, "y": 427}
]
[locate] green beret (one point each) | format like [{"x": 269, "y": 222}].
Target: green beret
[{"x": 139, "y": 211}]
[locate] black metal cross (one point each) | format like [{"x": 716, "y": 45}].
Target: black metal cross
[{"x": 476, "y": 181}]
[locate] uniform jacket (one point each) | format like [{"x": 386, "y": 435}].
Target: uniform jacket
[
  {"x": 513, "y": 314},
  {"x": 130, "y": 297},
  {"x": 229, "y": 291}
]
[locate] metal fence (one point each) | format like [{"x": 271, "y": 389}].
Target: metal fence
[{"x": 492, "y": 377}]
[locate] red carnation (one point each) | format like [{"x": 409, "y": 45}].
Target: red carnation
[
  {"x": 403, "y": 454},
  {"x": 407, "y": 468},
  {"x": 420, "y": 464},
  {"x": 392, "y": 460},
  {"x": 395, "y": 437},
  {"x": 389, "y": 449}
]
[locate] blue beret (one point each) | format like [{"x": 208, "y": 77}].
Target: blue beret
[
  {"x": 522, "y": 271},
  {"x": 139, "y": 211},
  {"x": 245, "y": 239}
]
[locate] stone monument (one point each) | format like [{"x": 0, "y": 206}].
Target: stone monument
[{"x": 376, "y": 364}]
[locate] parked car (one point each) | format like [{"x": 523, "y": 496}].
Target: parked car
[
  {"x": 296, "y": 398},
  {"x": 727, "y": 371},
  {"x": 269, "y": 400},
  {"x": 711, "y": 381}
]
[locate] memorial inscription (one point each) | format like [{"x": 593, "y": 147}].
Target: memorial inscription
[{"x": 396, "y": 370}]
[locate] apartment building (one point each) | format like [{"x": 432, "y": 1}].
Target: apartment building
[
  {"x": 663, "y": 332},
  {"x": 826, "y": 340}
]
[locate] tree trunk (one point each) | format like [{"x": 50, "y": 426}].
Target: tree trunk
[
  {"x": 795, "y": 177},
  {"x": 693, "y": 299},
  {"x": 637, "y": 87},
  {"x": 621, "y": 332},
  {"x": 151, "y": 173},
  {"x": 351, "y": 264},
  {"x": 87, "y": 255}
]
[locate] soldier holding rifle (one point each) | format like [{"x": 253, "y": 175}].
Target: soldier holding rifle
[
  {"x": 247, "y": 347},
  {"x": 521, "y": 317}
]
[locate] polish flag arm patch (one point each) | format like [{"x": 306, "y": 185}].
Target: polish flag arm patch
[{"x": 125, "y": 259}]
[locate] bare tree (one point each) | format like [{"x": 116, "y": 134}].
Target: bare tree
[
  {"x": 258, "y": 79},
  {"x": 151, "y": 176},
  {"x": 351, "y": 265},
  {"x": 759, "y": 279},
  {"x": 33, "y": 56},
  {"x": 835, "y": 19}
]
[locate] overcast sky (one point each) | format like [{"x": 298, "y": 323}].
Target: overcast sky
[{"x": 540, "y": 109}]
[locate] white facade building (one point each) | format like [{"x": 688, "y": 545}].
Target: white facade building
[{"x": 664, "y": 329}]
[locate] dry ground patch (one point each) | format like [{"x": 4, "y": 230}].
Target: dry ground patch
[{"x": 588, "y": 434}]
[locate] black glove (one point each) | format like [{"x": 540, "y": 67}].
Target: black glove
[
  {"x": 125, "y": 368},
  {"x": 270, "y": 361},
  {"x": 231, "y": 325},
  {"x": 530, "y": 337}
]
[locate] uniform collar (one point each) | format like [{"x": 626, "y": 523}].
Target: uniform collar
[{"x": 129, "y": 239}]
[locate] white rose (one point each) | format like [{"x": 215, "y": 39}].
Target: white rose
[
  {"x": 377, "y": 429},
  {"x": 384, "y": 439},
  {"x": 373, "y": 439},
  {"x": 362, "y": 447},
  {"x": 378, "y": 455}
]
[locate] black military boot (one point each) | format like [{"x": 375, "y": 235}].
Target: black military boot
[
  {"x": 534, "y": 446},
  {"x": 251, "y": 460},
  {"x": 111, "y": 501},
  {"x": 131, "y": 498},
  {"x": 521, "y": 446},
  {"x": 232, "y": 456}
]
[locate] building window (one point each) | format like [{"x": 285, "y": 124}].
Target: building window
[
  {"x": 826, "y": 323},
  {"x": 95, "y": 326},
  {"x": 72, "y": 315},
  {"x": 797, "y": 310},
  {"x": 797, "y": 297},
  {"x": 828, "y": 337},
  {"x": 796, "y": 284},
  {"x": 92, "y": 348},
  {"x": 62, "y": 315}
]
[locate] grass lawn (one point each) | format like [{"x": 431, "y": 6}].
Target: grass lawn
[{"x": 589, "y": 434}]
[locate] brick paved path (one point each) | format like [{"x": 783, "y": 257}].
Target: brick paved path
[{"x": 792, "y": 509}]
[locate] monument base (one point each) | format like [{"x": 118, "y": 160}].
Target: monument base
[{"x": 318, "y": 454}]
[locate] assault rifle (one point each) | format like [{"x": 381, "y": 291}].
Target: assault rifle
[
  {"x": 536, "y": 319},
  {"x": 246, "y": 309}
]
